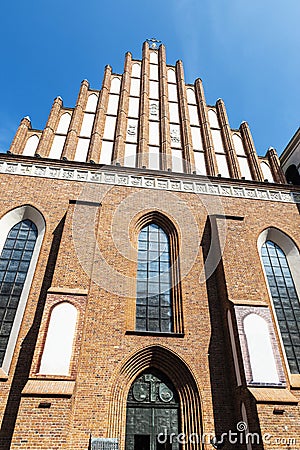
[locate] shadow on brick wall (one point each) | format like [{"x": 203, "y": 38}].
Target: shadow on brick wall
[
  {"x": 225, "y": 396},
  {"x": 27, "y": 348}
]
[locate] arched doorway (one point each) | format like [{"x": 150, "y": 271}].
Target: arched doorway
[
  {"x": 167, "y": 361},
  {"x": 152, "y": 419}
]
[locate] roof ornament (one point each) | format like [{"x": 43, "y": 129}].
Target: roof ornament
[{"x": 153, "y": 43}]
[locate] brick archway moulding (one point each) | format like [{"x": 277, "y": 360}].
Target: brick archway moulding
[{"x": 177, "y": 370}]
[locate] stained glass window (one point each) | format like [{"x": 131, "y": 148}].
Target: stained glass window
[
  {"x": 285, "y": 300},
  {"x": 14, "y": 263},
  {"x": 153, "y": 308}
]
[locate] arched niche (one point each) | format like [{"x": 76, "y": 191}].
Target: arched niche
[
  {"x": 91, "y": 105},
  {"x": 136, "y": 70},
  {"x": 262, "y": 360},
  {"x": 179, "y": 374},
  {"x": 115, "y": 85},
  {"x": 213, "y": 119},
  {"x": 58, "y": 349},
  {"x": 266, "y": 171},
  {"x": 289, "y": 248},
  {"x": 31, "y": 145},
  {"x": 63, "y": 124},
  {"x": 238, "y": 145}
]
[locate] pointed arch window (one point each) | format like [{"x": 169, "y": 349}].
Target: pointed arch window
[
  {"x": 15, "y": 260},
  {"x": 154, "y": 293},
  {"x": 285, "y": 300}
]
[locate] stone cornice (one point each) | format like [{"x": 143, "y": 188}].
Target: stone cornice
[{"x": 121, "y": 176}]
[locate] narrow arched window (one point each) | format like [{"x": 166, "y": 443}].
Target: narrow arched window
[
  {"x": 285, "y": 300},
  {"x": 14, "y": 264},
  {"x": 154, "y": 303}
]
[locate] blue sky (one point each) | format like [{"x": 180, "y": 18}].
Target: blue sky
[{"x": 245, "y": 52}]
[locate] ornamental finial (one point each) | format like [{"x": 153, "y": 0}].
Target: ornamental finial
[{"x": 153, "y": 43}]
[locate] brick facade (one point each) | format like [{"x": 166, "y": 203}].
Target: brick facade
[{"x": 88, "y": 258}]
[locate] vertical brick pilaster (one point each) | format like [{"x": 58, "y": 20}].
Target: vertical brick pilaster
[
  {"x": 120, "y": 136},
  {"x": 276, "y": 170},
  {"x": 76, "y": 272},
  {"x": 232, "y": 160},
  {"x": 251, "y": 152},
  {"x": 76, "y": 122},
  {"x": 143, "y": 128},
  {"x": 48, "y": 134},
  {"x": 99, "y": 123},
  {"x": 209, "y": 152},
  {"x": 165, "y": 139},
  {"x": 19, "y": 140},
  {"x": 185, "y": 120}
]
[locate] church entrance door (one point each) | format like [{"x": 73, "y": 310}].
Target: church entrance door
[{"x": 152, "y": 420}]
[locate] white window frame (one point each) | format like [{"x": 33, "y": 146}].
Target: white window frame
[
  {"x": 292, "y": 255},
  {"x": 7, "y": 222}
]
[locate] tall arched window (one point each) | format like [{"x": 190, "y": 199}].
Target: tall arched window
[
  {"x": 285, "y": 300},
  {"x": 154, "y": 303},
  {"x": 14, "y": 264},
  {"x": 21, "y": 235}
]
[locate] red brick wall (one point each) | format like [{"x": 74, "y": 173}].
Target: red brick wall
[{"x": 102, "y": 346}]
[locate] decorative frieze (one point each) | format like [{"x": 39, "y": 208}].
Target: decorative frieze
[{"x": 204, "y": 186}]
